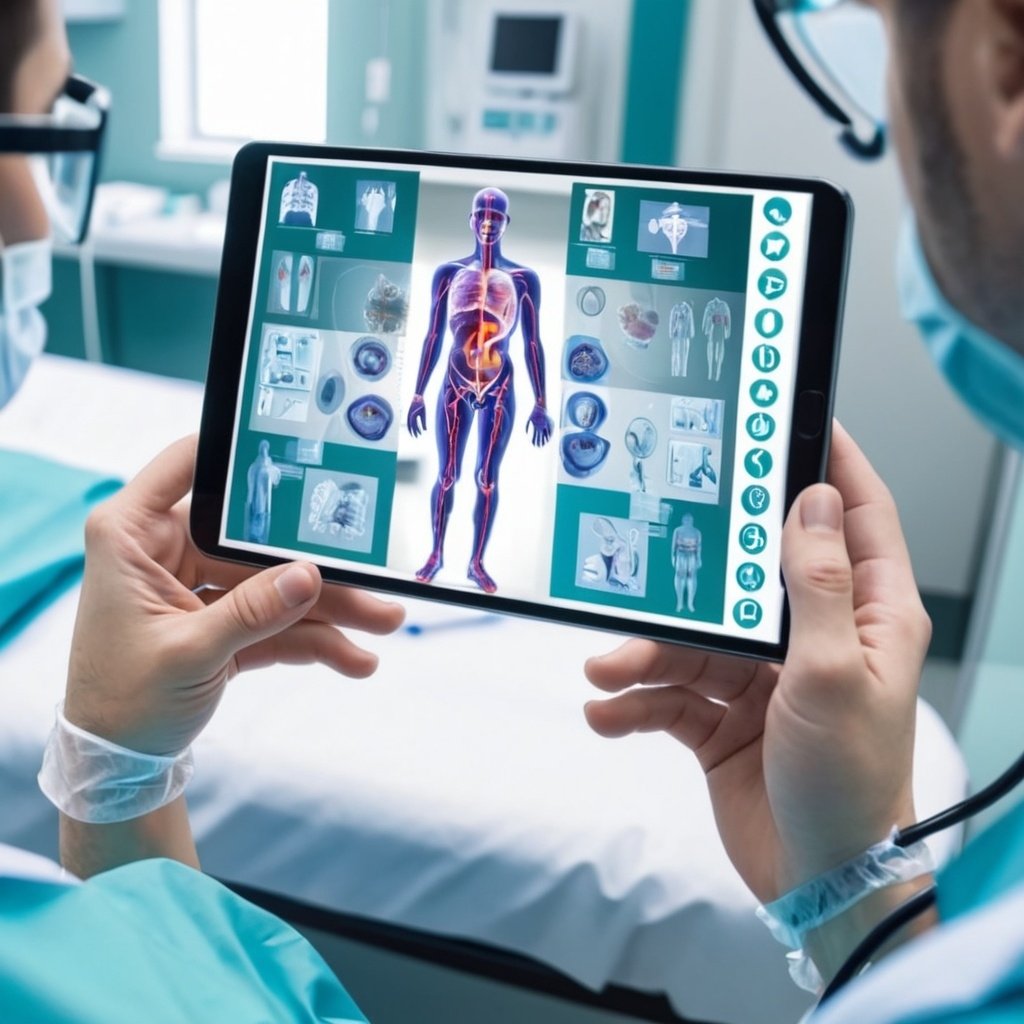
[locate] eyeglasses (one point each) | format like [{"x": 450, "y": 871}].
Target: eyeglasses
[
  {"x": 836, "y": 50},
  {"x": 67, "y": 143}
]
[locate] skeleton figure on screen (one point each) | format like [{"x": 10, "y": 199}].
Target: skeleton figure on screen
[{"x": 482, "y": 298}]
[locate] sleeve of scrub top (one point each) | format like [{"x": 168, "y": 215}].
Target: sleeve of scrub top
[{"x": 158, "y": 942}]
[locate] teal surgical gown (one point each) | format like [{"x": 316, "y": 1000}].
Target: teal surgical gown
[{"x": 156, "y": 942}]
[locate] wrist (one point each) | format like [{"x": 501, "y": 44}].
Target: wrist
[
  {"x": 831, "y": 945},
  {"x": 94, "y": 781}
]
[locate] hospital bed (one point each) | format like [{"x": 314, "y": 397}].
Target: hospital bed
[{"x": 458, "y": 794}]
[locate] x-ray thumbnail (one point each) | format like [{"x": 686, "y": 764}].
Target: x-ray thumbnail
[
  {"x": 338, "y": 510},
  {"x": 375, "y": 206},
  {"x": 291, "y": 284},
  {"x": 364, "y": 297},
  {"x": 673, "y": 229},
  {"x": 702, "y": 416},
  {"x": 300, "y": 199},
  {"x": 612, "y": 555},
  {"x": 598, "y": 220}
]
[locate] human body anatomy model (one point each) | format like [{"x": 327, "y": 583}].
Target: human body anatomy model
[{"x": 483, "y": 297}]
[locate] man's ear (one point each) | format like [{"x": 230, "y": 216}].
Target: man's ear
[{"x": 1006, "y": 52}]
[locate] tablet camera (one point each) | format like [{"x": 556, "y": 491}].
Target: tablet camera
[
  {"x": 370, "y": 417},
  {"x": 371, "y": 358}
]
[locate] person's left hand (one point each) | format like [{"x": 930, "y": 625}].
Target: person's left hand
[
  {"x": 150, "y": 655},
  {"x": 542, "y": 425}
]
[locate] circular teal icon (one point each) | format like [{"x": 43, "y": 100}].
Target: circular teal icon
[
  {"x": 760, "y": 426},
  {"x": 750, "y": 577},
  {"x": 769, "y": 323},
  {"x": 764, "y": 393},
  {"x": 753, "y": 539},
  {"x": 778, "y": 211},
  {"x": 756, "y": 500},
  {"x": 767, "y": 358},
  {"x": 748, "y": 613},
  {"x": 775, "y": 247},
  {"x": 772, "y": 284},
  {"x": 758, "y": 463}
]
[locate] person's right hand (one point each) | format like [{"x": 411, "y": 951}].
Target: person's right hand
[
  {"x": 808, "y": 764},
  {"x": 417, "y": 418}
]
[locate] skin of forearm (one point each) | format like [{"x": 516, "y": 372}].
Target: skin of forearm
[
  {"x": 87, "y": 850},
  {"x": 831, "y": 945}
]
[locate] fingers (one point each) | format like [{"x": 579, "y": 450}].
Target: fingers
[
  {"x": 255, "y": 610},
  {"x": 819, "y": 578},
  {"x": 684, "y": 715},
  {"x": 160, "y": 485},
  {"x": 337, "y": 604},
  {"x": 307, "y": 643}
]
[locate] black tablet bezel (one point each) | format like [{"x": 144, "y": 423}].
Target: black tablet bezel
[{"x": 818, "y": 360}]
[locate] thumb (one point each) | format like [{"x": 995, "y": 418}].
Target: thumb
[
  {"x": 256, "y": 609},
  {"x": 819, "y": 579}
]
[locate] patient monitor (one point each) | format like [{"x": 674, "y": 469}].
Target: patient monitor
[{"x": 514, "y": 82}]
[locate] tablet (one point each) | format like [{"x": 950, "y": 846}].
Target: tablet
[{"x": 583, "y": 393}]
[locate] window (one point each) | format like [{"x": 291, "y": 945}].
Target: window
[{"x": 234, "y": 70}]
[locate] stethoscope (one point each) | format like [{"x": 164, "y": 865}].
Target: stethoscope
[{"x": 925, "y": 899}]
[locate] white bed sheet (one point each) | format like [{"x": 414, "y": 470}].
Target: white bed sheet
[{"x": 458, "y": 791}]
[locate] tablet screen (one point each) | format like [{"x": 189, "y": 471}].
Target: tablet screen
[{"x": 566, "y": 390}]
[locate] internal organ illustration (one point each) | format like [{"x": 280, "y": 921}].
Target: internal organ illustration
[
  {"x": 672, "y": 224},
  {"x": 481, "y": 298},
  {"x": 716, "y": 326},
  {"x": 387, "y": 307},
  {"x": 370, "y": 417},
  {"x": 330, "y": 392},
  {"x": 638, "y": 324},
  {"x": 641, "y": 441},
  {"x": 583, "y": 451},
  {"x": 371, "y": 358},
  {"x": 617, "y": 563},
  {"x": 681, "y": 331},
  {"x": 294, "y": 292},
  {"x": 338, "y": 510},
  {"x": 585, "y": 360},
  {"x": 686, "y": 563}
]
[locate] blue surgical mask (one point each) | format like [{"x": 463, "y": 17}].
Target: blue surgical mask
[
  {"x": 987, "y": 375},
  {"x": 26, "y": 271}
]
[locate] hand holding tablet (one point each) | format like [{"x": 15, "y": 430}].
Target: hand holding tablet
[{"x": 473, "y": 396}]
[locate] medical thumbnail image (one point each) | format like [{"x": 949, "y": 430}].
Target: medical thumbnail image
[
  {"x": 645, "y": 445},
  {"x": 364, "y": 296},
  {"x": 327, "y": 386},
  {"x": 671, "y": 229},
  {"x": 655, "y": 337},
  {"x": 597, "y": 221},
  {"x": 335, "y": 509},
  {"x": 338, "y": 510},
  {"x": 292, "y": 277},
  {"x": 375, "y": 203},
  {"x": 300, "y": 202},
  {"x": 612, "y": 555}
]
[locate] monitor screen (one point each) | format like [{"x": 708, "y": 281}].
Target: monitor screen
[{"x": 526, "y": 45}]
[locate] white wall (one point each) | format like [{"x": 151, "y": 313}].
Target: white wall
[{"x": 743, "y": 110}]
